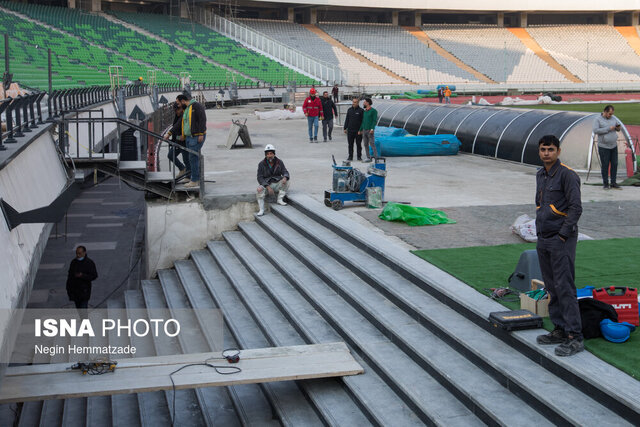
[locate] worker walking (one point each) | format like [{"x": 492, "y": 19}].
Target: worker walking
[
  {"x": 367, "y": 129},
  {"x": 329, "y": 110},
  {"x": 273, "y": 177},
  {"x": 82, "y": 271},
  {"x": 312, "y": 108},
  {"x": 558, "y": 209}
]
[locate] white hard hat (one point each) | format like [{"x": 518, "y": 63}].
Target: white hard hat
[{"x": 269, "y": 147}]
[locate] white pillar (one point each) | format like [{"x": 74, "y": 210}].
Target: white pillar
[
  {"x": 610, "y": 18},
  {"x": 634, "y": 17},
  {"x": 417, "y": 19},
  {"x": 71, "y": 4},
  {"x": 96, "y": 5},
  {"x": 314, "y": 16},
  {"x": 500, "y": 19},
  {"x": 524, "y": 19},
  {"x": 394, "y": 17},
  {"x": 184, "y": 11},
  {"x": 291, "y": 14}
]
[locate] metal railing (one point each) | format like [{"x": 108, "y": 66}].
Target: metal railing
[
  {"x": 325, "y": 71},
  {"x": 97, "y": 138}
]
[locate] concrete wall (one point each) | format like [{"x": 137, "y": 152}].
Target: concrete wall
[
  {"x": 31, "y": 180},
  {"x": 173, "y": 230}
]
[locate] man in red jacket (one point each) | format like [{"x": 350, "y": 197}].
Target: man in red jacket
[{"x": 312, "y": 108}]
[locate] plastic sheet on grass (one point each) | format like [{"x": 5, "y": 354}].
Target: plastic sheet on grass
[{"x": 413, "y": 215}]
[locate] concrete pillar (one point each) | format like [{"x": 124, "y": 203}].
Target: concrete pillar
[
  {"x": 524, "y": 19},
  {"x": 314, "y": 16},
  {"x": 291, "y": 14},
  {"x": 71, "y": 4},
  {"x": 184, "y": 10},
  {"x": 500, "y": 19},
  {"x": 634, "y": 18},
  {"x": 394, "y": 17},
  {"x": 417, "y": 19},
  {"x": 96, "y": 5},
  {"x": 610, "y": 18}
]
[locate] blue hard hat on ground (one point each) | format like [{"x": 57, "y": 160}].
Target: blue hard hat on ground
[{"x": 616, "y": 332}]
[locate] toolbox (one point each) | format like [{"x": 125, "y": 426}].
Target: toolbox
[
  {"x": 515, "y": 320},
  {"x": 623, "y": 299}
]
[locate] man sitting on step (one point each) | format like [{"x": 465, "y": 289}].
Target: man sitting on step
[{"x": 273, "y": 177}]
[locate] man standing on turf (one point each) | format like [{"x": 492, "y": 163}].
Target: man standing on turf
[
  {"x": 194, "y": 131},
  {"x": 367, "y": 128},
  {"x": 606, "y": 127},
  {"x": 328, "y": 110},
  {"x": 352, "y": 124},
  {"x": 312, "y": 108},
  {"x": 558, "y": 209}
]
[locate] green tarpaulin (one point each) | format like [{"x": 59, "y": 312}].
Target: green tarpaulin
[{"x": 413, "y": 215}]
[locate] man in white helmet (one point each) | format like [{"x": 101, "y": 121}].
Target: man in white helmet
[{"x": 273, "y": 177}]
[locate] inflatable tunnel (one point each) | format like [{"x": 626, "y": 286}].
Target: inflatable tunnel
[{"x": 499, "y": 132}]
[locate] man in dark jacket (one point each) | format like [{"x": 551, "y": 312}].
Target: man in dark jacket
[
  {"x": 352, "y": 127},
  {"x": 273, "y": 177},
  {"x": 82, "y": 271},
  {"x": 176, "y": 136},
  {"x": 194, "y": 131},
  {"x": 329, "y": 110},
  {"x": 558, "y": 209}
]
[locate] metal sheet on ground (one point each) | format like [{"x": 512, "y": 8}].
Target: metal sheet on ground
[{"x": 54, "y": 381}]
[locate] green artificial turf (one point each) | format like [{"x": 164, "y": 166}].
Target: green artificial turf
[
  {"x": 628, "y": 113},
  {"x": 599, "y": 263}
]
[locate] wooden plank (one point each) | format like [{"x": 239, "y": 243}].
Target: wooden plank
[{"x": 54, "y": 381}]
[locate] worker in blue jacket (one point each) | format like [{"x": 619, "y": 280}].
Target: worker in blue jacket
[{"x": 558, "y": 209}]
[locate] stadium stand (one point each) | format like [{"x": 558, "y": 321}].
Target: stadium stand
[
  {"x": 602, "y": 47},
  {"x": 493, "y": 51},
  {"x": 74, "y": 62},
  {"x": 98, "y": 30},
  {"x": 215, "y": 46},
  {"x": 299, "y": 38},
  {"x": 397, "y": 50}
]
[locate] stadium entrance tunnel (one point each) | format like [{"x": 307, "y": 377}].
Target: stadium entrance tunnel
[{"x": 499, "y": 132}]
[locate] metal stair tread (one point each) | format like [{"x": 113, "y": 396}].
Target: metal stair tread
[
  {"x": 159, "y": 176},
  {"x": 534, "y": 379},
  {"x": 130, "y": 165},
  {"x": 604, "y": 379},
  {"x": 406, "y": 374}
]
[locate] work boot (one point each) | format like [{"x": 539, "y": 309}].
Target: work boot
[
  {"x": 315, "y": 139},
  {"x": 192, "y": 184},
  {"x": 571, "y": 345},
  {"x": 616, "y": 186},
  {"x": 556, "y": 336},
  {"x": 310, "y": 139},
  {"x": 605, "y": 187},
  {"x": 281, "y": 195},
  {"x": 261, "y": 206}
]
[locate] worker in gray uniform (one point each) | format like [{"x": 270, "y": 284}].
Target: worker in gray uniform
[
  {"x": 606, "y": 126},
  {"x": 558, "y": 209}
]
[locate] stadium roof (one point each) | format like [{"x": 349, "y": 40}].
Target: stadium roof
[{"x": 473, "y": 5}]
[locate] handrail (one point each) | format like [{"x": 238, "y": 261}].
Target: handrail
[
  {"x": 325, "y": 71},
  {"x": 64, "y": 122}
]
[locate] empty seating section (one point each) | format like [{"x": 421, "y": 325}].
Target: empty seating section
[
  {"x": 97, "y": 29},
  {"x": 397, "y": 50},
  {"x": 82, "y": 63},
  {"x": 219, "y": 48},
  {"x": 594, "y": 53},
  {"x": 303, "y": 40},
  {"x": 493, "y": 51}
]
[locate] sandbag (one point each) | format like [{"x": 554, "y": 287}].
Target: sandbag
[{"x": 414, "y": 216}]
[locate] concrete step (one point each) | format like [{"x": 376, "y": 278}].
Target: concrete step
[
  {"x": 372, "y": 394},
  {"x": 99, "y": 411},
  {"x": 74, "y": 412},
  {"x": 605, "y": 384},
  {"x": 250, "y": 406},
  {"x": 288, "y": 402},
  {"x": 544, "y": 391},
  {"x": 154, "y": 406},
  {"x": 188, "y": 402},
  {"x": 214, "y": 401},
  {"x": 53, "y": 410},
  {"x": 132, "y": 165},
  {"x": 334, "y": 404},
  {"x": 30, "y": 414},
  {"x": 432, "y": 402}
]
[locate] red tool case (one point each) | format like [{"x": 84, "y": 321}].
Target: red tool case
[{"x": 623, "y": 299}]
